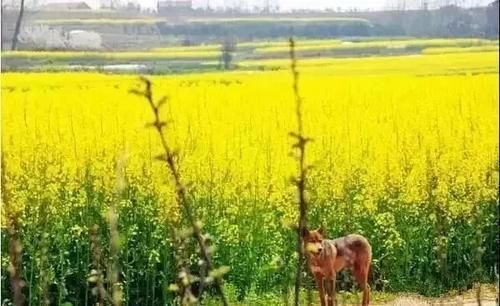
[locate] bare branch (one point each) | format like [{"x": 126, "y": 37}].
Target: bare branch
[{"x": 169, "y": 157}]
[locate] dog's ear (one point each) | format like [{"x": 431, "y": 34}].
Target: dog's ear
[
  {"x": 304, "y": 232},
  {"x": 321, "y": 230}
]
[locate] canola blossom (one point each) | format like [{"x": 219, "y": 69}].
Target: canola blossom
[
  {"x": 394, "y": 154},
  {"x": 380, "y": 44}
]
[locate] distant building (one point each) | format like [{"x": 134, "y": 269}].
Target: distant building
[
  {"x": 169, "y": 6},
  {"x": 65, "y": 6},
  {"x": 84, "y": 40},
  {"x": 133, "y": 7},
  {"x": 106, "y": 4}
]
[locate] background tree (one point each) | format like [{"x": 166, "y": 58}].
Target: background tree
[
  {"x": 228, "y": 48},
  {"x": 18, "y": 25},
  {"x": 492, "y": 18}
]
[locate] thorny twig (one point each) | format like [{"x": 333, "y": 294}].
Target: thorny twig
[
  {"x": 300, "y": 181},
  {"x": 170, "y": 157}
]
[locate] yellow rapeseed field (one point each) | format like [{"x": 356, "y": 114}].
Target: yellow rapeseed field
[
  {"x": 386, "y": 148},
  {"x": 461, "y": 50},
  {"x": 380, "y": 44},
  {"x": 435, "y": 64}
]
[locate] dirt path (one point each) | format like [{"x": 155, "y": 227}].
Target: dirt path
[{"x": 410, "y": 301}]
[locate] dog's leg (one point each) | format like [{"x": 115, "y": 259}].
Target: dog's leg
[
  {"x": 328, "y": 288},
  {"x": 361, "y": 276},
  {"x": 321, "y": 289},
  {"x": 334, "y": 289},
  {"x": 331, "y": 298},
  {"x": 366, "y": 294}
]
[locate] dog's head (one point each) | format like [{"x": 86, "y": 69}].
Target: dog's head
[{"x": 313, "y": 240}]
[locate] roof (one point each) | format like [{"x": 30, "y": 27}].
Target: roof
[
  {"x": 175, "y": 3},
  {"x": 67, "y": 6}
]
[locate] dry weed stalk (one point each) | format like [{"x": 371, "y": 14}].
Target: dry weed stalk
[
  {"x": 300, "y": 180},
  {"x": 170, "y": 158},
  {"x": 114, "y": 267},
  {"x": 15, "y": 247},
  {"x": 116, "y": 290},
  {"x": 15, "y": 264},
  {"x": 114, "y": 270},
  {"x": 96, "y": 275}
]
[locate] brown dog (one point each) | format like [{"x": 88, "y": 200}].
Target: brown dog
[{"x": 327, "y": 257}]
